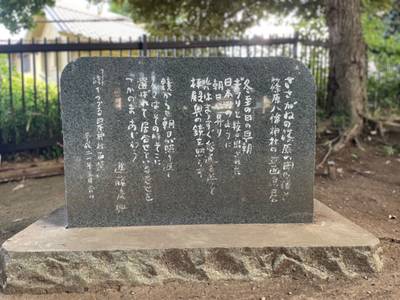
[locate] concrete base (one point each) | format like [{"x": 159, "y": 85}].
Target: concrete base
[{"x": 46, "y": 257}]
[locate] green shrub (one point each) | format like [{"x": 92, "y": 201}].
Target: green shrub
[
  {"x": 384, "y": 91},
  {"x": 35, "y": 122},
  {"x": 384, "y": 58}
]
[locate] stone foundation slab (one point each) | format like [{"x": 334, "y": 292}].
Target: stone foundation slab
[{"x": 47, "y": 257}]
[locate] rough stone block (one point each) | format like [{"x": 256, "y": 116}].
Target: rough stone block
[{"x": 46, "y": 257}]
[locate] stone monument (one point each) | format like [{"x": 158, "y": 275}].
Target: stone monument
[
  {"x": 186, "y": 169},
  {"x": 188, "y": 141}
]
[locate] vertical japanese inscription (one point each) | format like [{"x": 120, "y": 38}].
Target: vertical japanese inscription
[
  {"x": 98, "y": 83},
  {"x": 87, "y": 146},
  {"x": 120, "y": 183},
  {"x": 94, "y": 147},
  {"x": 287, "y": 137},
  {"x": 280, "y": 139},
  {"x": 151, "y": 126},
  {"x": 222, "y": 111},
  {"x": 168, "y": 125}
]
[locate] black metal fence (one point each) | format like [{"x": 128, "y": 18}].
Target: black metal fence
[{"x": 30, "y": 75}]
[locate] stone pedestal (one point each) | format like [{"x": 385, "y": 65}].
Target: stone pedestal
[{"x": 47, "y": 257}]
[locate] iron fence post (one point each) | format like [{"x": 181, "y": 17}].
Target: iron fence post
[
  {"x": 296, "y": 41},
  {"x": 144, "y": 45}
]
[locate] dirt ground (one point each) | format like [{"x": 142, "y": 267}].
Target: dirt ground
[{"x": 366, "y": 190}]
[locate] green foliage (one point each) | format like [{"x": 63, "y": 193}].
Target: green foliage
[
  {"x": 384, "y": 93},
  {"x": 209, "y": 17},
  {"x": 311, "y": 27},
  {"x": 122, "y": 8},
  {"x": 382, "y": 42},
  {"x": 390, "y": 150},
  {"x": 17, "y": 14},
  {"x": 35, "y": 122},
  {"x": 383, "y": 56}
]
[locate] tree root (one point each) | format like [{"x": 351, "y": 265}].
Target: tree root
[
  {"x": 329, "y": 152},
  {"x": 353, "y": 134},
  {"x": 359, "y": 144},
  {"x": 384, "y": 125},
  {"x": 342, "y": 140}
]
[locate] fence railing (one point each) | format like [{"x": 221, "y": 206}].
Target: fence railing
[{"x": 30, "y": 75}]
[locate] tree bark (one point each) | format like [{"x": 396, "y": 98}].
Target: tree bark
[{"x": 347, "y": 93}]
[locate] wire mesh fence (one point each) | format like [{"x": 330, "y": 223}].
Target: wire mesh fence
[{"x": 30, "y": 74}]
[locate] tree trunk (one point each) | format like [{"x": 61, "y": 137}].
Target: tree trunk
[{"x": 347, "y": 94}]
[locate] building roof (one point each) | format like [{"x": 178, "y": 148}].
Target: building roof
[{"x": 89, "y": 24}]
